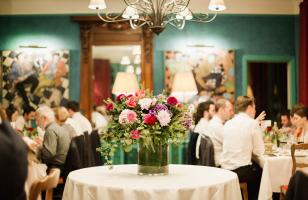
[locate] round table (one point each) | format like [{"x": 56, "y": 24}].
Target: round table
[{"x": 122, "y": 182}]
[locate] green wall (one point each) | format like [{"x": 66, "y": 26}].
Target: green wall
[
  {"x": 246, "y": 34},
  {"x": 263, "y": 35},
  {"x": 53, "y": 32}
]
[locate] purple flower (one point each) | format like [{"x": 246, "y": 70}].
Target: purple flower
[{"x": 159, "y": 107}]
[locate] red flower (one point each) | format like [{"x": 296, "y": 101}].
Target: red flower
[
  {"x": 30, "y": 129},
  {"x": 269, "y": 128},
  {"x": 109, "y": 106},
  {"x": 135, "y": 134},
  {"x": 172, "y": 101},
  {"x": 120, "y": 97},
  {"x": 149, "y": 119},
  {"x": 131, "y": 102}
]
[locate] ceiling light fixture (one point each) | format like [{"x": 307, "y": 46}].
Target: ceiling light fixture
[{"x": 156, "y": 14}]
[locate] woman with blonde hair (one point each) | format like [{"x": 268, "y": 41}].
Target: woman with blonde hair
[{"x": 62, "y": 118}]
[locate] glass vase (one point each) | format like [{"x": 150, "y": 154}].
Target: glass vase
[{"x": 152, "y": 160}]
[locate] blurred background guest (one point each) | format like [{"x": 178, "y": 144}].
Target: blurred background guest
[
  {"x": 300, "y": 120},
  {"x": 84, "y": 123},
  {"x": 98, "y": 120},
  {"x": 56, "y": 139},
  {"x": 62, "y": 118},
  {"x": 205, "y": 112}
]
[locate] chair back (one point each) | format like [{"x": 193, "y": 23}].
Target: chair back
[
  {"x": 296, "y": 163},
  {"x": 191, "y": 150},
  {"x": 206, "y": 151},
  {"x": 47, "y": 184}
]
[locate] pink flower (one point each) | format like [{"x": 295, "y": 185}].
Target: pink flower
[
  {"x": 109, "y": 106},
  {"x": 127, "y": 117},
  {"x": 172, "y": 101},
  {"x": 163, "y": 117},
  {"x": 135, "y": 134},
  {"x": 131, "y": 102},
  {"x": 120, "y": 97},
  {"x": 149, "y": 119},
  {"x": 140, "y": 94}
]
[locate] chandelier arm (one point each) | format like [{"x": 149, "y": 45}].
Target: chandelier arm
[
  {"x": 205, "y": 19},
  {"x": 135, "y": 26},
  {"x": 176, "y": 26},
  {"x": 107, "y": 17}
]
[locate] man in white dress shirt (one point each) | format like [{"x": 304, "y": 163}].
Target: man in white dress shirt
[
  {"x": 84, "y": 123},
  {"x": 242, "y": 141},
  {"x": 224, "y": 111}
]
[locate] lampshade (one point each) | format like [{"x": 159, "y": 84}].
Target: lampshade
[
  {"x": 97, "y": 4},
  {"x": 184, "y": 86},
  {"x": 125, "y": 83},
  {"x": 125, "y": 60},
  {"x": 130, "y": 13},
  {"x": 217, "y": 5}
]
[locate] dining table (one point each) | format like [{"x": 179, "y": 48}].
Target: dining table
[{"x": 122, "y": 182}]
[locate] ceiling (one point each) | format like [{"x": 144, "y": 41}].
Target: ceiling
[{"x": 17, "y": 7}]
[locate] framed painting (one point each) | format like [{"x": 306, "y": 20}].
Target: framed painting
[
  {"x": 33, "y": 77},
  {"x": 213, "y": 70}
]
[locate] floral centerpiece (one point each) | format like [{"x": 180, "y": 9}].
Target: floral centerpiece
[{"x": 152, "y": 122}]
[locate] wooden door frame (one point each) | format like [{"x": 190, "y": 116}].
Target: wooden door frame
[
  {"x": 93, "y": 31},
  {"x": 291, "y": 73}
]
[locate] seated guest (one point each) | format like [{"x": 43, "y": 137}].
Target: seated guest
[
  {"x": 242, "y": 139},
  {"x": 27, "y": 120},
  {"x": 285, "y": 119},
  {"x": 224, "y": 111},
  {"x": 63, "y": 119},
  {"x": 205, "y": 112},
  {"x": 98, "y": 120},
  {"x": 56, "y": 140},
  {"x": 12, "y": 114},
  {"x": 300, "y": 119},
  {"x": 84, "y": 123}
]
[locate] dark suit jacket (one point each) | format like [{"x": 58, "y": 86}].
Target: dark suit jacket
[
  {"x": 206, "y": 152},
  {"x": 298, "y": 185},
  {"x": 13, "y": 163},
  {"x": 95, "y": 140},
  {"x": 80, "y": 154},
  {"x": 191, "y": 150}
]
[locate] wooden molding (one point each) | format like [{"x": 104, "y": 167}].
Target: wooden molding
[{"x": 93, "y": 31}]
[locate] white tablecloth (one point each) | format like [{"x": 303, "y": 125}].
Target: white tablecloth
[
  {"x": 276, "y": 172},
  {"x": 183, "y": 182}
]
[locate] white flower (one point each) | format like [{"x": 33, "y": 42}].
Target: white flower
[
  {"x": 163, "y": 117},
  {"x": 145, "y": 103}
]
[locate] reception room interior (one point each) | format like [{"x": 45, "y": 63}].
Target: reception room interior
[{"x": 259, "y": 48}]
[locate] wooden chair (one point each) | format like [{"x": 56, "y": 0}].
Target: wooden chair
[
  {"x": 45, "y": 184},
  {"x": 244, "y": 190},
  {"x": 294, "y": 147}
]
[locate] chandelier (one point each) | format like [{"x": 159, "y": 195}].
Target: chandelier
[{"x": 156, "y": 14}]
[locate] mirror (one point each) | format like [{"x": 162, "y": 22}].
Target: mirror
[
  {"x": 108, "y": 60},
  {"x": 94, "y": 32}
]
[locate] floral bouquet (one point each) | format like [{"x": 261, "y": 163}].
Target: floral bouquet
[
  {"x": 144, "y": 118},
  {"x": 30, "y": 132}
]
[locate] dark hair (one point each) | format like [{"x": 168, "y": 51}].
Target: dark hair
[
  {"x": 285, "y": 113},
  {"x": 28, "y": 109},
  {"x": 242, "y": 103},
  {"x": 10, "y": 110},
  {"x": 204, "y": 106},
  {"x": 302, "y": 112},
  {"x": 73, "y": 105}
]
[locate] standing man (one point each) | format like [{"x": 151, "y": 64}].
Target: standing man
[
  {"x": 56, "y": 140},
  {"x": 242, "y": 141},
  {"x": 224, "y": 111}
]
